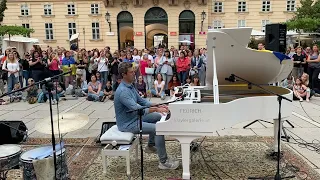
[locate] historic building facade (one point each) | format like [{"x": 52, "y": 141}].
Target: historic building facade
[{"x": 142, "y": 23}]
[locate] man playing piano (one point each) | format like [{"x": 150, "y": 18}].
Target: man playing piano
[{"x": 127, "y": 98}]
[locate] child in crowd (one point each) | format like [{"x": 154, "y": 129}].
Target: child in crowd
[
  {"x": 188, "y": 81},
  {"x": 300, "y": 90},
  {"x": 141, "y": 87},
  {"x": 287, "y": 83},
  {"x": 17, "y": 96},
  {"x": 32, "y": 92},
  {"x": 108, "y": 93}
]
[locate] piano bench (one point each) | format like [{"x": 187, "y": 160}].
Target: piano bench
[{"x": 118, "y": 144}]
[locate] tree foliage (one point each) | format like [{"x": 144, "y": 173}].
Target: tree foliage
[
  {"x": 307, "y": 17},
  {"x": 3, "y": 7},
  {"x": 14, "y": 30}
]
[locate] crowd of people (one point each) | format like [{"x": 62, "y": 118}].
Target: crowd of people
[
  {"x": 94, "y": 73},
  {"x": 305, "y": 78}
]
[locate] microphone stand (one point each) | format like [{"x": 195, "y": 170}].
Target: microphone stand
[
  {"x": 140, "y": 114},
  {"x": 232, "y": 78},
  {"x": 48, "y": 85}
]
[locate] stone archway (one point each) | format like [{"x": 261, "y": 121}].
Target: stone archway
[
  {"x": 187, "y": 27},
  {"x": 156, "y": 22},
  {"x": 125, "y": 29}
]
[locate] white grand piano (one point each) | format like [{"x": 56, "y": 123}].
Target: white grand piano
[{"x": 222, "y": 104}]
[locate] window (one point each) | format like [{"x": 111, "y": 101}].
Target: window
[
  {"x": 24, "y": 10},
  {"x": 291, "y": 5},
  {"x": 218, "y": 7},
  {"x": 263, "y": 24},
  {"x": 241, "y": 23},
  {"x": 47, "y": 9},
  {"x": 94, "y": 8},
  {"x": 242, "y": 6},
  {"x": 49, "y": 31},
  {"x": 95, "y": 30},
  {"x": 266, "y": 6},
  {"x": 217, "y": 24},
  {"x": 71, "y": 9},
  {"x": 72, "y": 29},
  {"x": 27, "y": 26}
]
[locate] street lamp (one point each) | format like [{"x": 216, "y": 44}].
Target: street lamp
[
  {"x": 107, "y": 16},
  {"x": 203, "y": 17}
]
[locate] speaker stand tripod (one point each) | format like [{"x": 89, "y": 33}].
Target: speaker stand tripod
[{"x": 283, "y": 129}]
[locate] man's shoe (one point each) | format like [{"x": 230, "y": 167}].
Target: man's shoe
[
  {"x": 169, "y": 164},
  {"x": 150, "y": 149}
]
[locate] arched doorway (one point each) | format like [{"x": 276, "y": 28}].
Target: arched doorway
[
  {"x": 125, "y": 29},
  {"x": 156, "y": 23},
  {"x": 187, "y": 28}
]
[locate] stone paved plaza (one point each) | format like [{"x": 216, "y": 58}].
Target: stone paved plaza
[{"x": 306, "y": 125}]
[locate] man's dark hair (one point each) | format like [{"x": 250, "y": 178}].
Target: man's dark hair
[{"x": 124, "y": 67}]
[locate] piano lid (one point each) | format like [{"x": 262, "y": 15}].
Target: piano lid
[{"x": 233, "y": 57}]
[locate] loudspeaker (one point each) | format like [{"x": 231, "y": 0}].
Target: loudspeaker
[
  {"x": 275, "y": 38},
  {"x": 12, "y": 132}
]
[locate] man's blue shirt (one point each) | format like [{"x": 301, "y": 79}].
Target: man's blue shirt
[{"x": 126, "y": 98}]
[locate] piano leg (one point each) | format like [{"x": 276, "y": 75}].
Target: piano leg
[
  {"x": 275, "y": 127},
  {"x": 185, "y": 151}
]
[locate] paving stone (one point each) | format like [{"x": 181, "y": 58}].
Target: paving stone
[
  {"x": 90, "y": 123},
  {"x": 97, "y": 124},
  {"x": 17, "y": 115},
  {"x": 264, "y": 131},
  {"x": 99, "y": 113},
  {"x": 300, "y": 122},
  {"x": 4, "y": 112},
  {"x": 40, "y": 114},
  {"x": 36, "y": 134},
  {"x": 307, "y": 134},
  {"x": 21, "y": 106},
  {"x": 83, "y": 133}
]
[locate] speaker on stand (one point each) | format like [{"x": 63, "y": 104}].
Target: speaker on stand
[
  {"x": 13, "y": 132},
  {"x": 276, "y": 37}
]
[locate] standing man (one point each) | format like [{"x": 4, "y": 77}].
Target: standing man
[{"x": 126, "y": 98}]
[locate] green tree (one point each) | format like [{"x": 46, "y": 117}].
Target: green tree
[
  {"x": 307, "y": 17},
  {"x": 3, "y": 7},
  {"x": 14, "y": 30}
]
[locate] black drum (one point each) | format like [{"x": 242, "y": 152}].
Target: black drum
[{"x": 27, "y": 165}]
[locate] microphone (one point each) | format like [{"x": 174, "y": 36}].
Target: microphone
[{"x": 53, "y": 77}]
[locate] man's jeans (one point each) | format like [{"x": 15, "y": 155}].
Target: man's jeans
[{"x": 149, "y": 127}]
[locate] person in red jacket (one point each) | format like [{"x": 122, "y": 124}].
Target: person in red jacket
[{"x": 183, "y": 67}]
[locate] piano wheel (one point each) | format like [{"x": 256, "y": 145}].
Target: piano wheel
[{"x": 168, "y": 115}]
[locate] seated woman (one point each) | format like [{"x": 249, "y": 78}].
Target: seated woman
[
  {"x": 195, "y": 81},
  {"x": 94, "y": 90},
  {"x": 141, "y": 87},
  {"x": 107, "y": 92},
  {"x": 300, "y": 90},
  {"x": 173, "y": 84},
  {"x": 158, "y": 87}
]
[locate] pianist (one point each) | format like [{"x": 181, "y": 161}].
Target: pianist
[{"x": 127, "y": 98}]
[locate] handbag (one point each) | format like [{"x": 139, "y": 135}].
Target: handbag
[{"x": 149, "y": 70}]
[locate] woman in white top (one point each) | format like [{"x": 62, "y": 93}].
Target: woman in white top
[
  {"x": 159, "y": 87},
  {"x": 136, "y": 58},
  {"x": 11, "y": 65},
  {"x": 166, "y": 64},
  {"x": 103, "y": 68}
]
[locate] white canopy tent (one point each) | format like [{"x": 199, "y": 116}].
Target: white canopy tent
[{"x": 22, "y": 44}]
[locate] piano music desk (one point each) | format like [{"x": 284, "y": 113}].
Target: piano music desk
[{"x": 109, "y": 150}]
